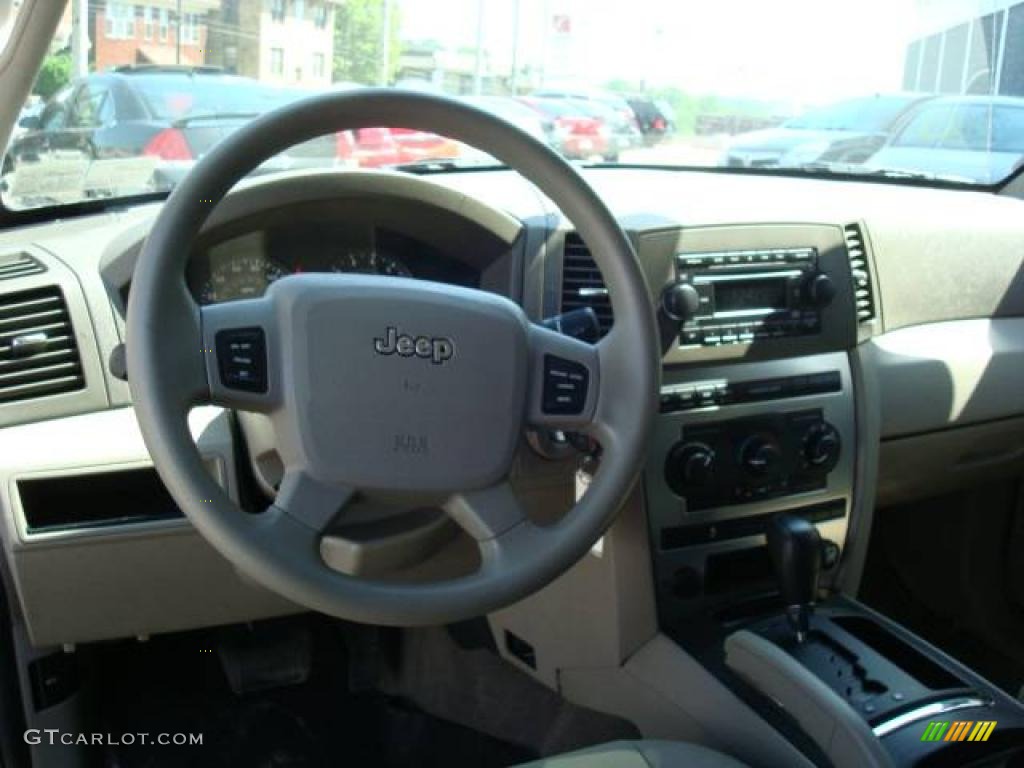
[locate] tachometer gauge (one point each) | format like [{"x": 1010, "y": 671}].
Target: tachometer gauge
[
  {"x": 368, "y": 262},
  {"x": 240, "y": 277}
]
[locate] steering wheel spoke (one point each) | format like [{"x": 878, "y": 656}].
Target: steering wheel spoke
[
  {"x": 564, "y": 381},
  {"x": 311, "y": 502},
  {"x": 240, "y": 350},
  {"x": 488, "y": 513}
]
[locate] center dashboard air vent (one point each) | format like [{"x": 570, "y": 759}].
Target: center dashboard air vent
[
  {"x": 582, "y": 284},
  {"x": 860, "y": 270},
  {"x": 18, "y": 264},
  {"x": 38, "y": 354}
]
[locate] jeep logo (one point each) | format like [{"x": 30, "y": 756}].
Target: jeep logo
[{"x": 437, "y": 350}]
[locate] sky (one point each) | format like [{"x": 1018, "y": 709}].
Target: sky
[{"x": 791, "y": 51}]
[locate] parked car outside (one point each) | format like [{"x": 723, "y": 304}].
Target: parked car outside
[
  {"x": 163, "y": 118},
  {"x": 653, "y": 117},
  {"x": 615, "y": 109},
  {"x": 622, "y": 135},
  {"x": 420, "y": 146},
  {"x": 974, "y": 138},
  {"x": 847, "y": 132},
  {"x": 578, "y": 135},
  {"x": 538, "y": 125}
]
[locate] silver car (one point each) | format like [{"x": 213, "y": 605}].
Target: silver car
[{"x": 974, "y": 138}]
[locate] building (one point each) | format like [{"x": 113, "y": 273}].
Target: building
[
  {"x": 285, "y": 42},
  {"x": 451, "y": 71},
  {"x": 968, "y": 52},
  {"x": 154, "y": 32}
]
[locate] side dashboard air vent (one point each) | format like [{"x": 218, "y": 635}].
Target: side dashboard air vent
[
  {"x": 38, "y": 354},
  {"x": 18, "y": 264},
  {"x": 861, "y": 272},
  {"x": 582, "y": 284}
]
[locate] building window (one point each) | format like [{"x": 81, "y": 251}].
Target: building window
[
  {"x": 318, "y": 65},
  {"x": 300, "y": 9},
  {"x": 120, "y": 21},
  {"x": 165, "y": 23},
  {"x": 190, "y": 28},
  {"x": 277, "y": 61},
  {"x": 320, "y": 15},
  {"x": 277, "y": 10},
  {"x": 147, "y": 23}
]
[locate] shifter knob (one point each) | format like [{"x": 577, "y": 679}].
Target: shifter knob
[{"x": 795, "y": 549}]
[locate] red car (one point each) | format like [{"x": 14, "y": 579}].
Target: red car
[
  {"x": 381, "y": 147},
  {"x": 578, "y": 136}
]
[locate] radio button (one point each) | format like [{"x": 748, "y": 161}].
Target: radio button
[
  {"x": 706, "y": 395},
  {"x": 691, "y": 262},
  {"x": 689, "y": 338},
  {"x": 712, "y": 340},
  {"x": 746, "y": 336},
  {"x": 729, "y": 338}
]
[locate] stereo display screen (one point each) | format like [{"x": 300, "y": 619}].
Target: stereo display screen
[{"x": 768, "y": 293}]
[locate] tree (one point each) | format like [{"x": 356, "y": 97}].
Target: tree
[
  {"x": 54, "y": 74},
  {"x": 357, "y": 41}
]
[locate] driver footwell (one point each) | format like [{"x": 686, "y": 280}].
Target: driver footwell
[
  {"x": 308, "y": 691},
  {"x": 283, "y": 710}
]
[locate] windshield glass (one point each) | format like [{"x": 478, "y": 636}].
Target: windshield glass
[
  {"x": 871, "y": 114},
  {"x": 132, "y": 94}
]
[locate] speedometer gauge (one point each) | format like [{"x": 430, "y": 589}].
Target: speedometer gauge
[
  {"x": 240, "y": 277},
  {"x": 368, "y": 262}
]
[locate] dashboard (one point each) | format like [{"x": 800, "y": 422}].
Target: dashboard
[{"x": 786, "y": 394}]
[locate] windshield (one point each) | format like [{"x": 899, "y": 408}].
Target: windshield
[
  {"x": 132, "y": 94},
  {"x": 173, "y": 97},
  {"x": 872, "y": 114}
]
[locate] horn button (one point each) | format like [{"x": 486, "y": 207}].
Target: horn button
[{"x": 398, "y": 384}]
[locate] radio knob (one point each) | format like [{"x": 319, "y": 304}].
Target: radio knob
[
  {"x": 760, "y": 455},
  {"x": 680, "y": 301},
  {"x": 822, "y": 446},
  {"x": 692, "y": 464},
  {"x": 820, "y": 290}
]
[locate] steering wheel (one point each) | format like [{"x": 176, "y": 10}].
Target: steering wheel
[{"x": 384, "y": 384}]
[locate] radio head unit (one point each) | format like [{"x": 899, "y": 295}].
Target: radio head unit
[{"x": 733, "y": 297}]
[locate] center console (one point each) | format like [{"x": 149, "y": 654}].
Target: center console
[
  {"x": 734, "y": 445},
  {"x": 757, "y": 425}
]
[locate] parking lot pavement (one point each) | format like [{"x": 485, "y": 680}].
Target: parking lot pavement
[{"x": 686, "y": 150}]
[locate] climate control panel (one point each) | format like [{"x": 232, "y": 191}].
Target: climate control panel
[{"x": 738, "y": 461}]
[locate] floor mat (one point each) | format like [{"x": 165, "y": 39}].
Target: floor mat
[{"x": 175, "y": 684}]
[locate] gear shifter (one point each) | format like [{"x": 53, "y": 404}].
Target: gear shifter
[{"x": 795, "y": 549}]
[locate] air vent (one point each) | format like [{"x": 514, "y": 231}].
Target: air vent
[
  {"x": 582, "y": 284},
  {"x": 14, "y": 265},
  {"x": 38, "y": 355},
  {"x": 861, "y": 272}
]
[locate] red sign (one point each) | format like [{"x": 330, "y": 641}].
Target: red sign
[{"x": 562, "y": 24}]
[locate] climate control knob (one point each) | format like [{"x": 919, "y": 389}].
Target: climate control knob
[
  {"x": 760, "y": 455},
  {"x": 691, "y": 465},
  {"x": 821, "y": 446}
]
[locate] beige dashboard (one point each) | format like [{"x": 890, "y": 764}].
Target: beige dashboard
[{"x": 935, "y": 371}]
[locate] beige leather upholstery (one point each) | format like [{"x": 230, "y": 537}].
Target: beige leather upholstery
[{"x": 640, "y": 754}]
